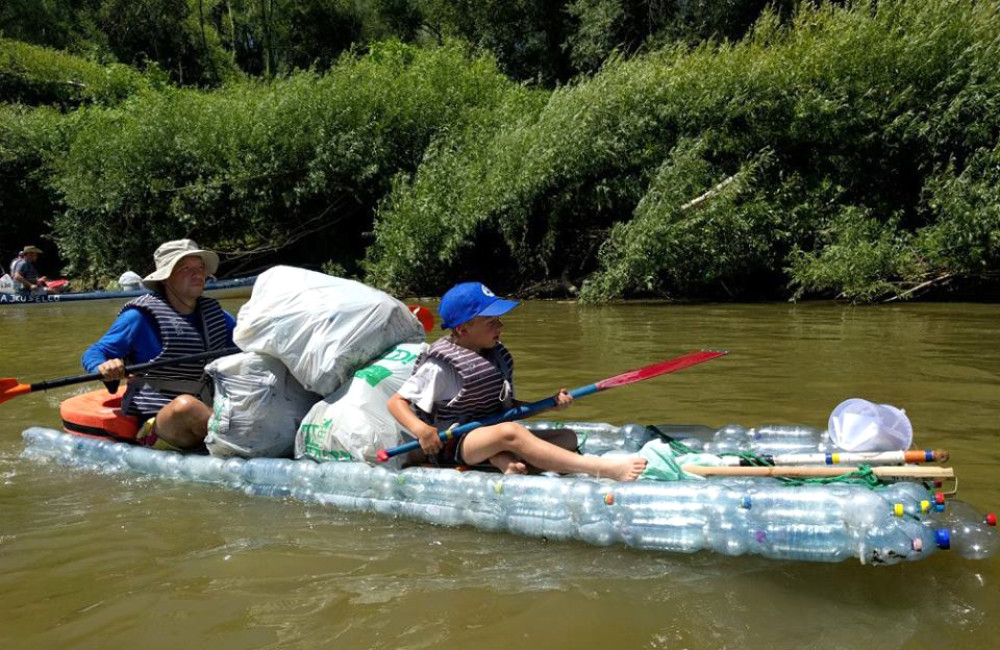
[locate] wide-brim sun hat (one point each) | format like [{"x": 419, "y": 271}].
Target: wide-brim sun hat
[
  {"x": 31, "y": 249},
  {"x": 465, "y": 301},
  {"x": 167, "y": 256}
]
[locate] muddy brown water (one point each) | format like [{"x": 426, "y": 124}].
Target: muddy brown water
[{"x": 111, "y": 561}]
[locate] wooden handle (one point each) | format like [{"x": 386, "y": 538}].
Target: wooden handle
[{"x": 929, "y": 473}]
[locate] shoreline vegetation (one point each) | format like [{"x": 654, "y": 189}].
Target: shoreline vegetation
[{"x": 791, "y": 150}]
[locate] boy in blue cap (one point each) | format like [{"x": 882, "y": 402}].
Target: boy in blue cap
[{"x": 467, "y": 376}]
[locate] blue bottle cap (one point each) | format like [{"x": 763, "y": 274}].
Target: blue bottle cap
[{"x": 943, "y": 538}]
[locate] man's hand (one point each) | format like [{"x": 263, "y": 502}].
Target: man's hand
[{"x": 112, "y": 369}]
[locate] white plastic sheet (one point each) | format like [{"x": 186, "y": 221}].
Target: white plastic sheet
[
  {"x": 859, "y": 425},
  {"x": 354, "y": 422},
  {"x": 257, "y": 408},
  {"x": 321, "y": 327}
]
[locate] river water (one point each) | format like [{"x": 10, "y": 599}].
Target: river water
[{"x": 95, "y": 561}]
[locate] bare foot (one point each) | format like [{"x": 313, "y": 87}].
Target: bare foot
[
  {"x": 624, "y": 468},
  {"x": 508, "y": 463}
]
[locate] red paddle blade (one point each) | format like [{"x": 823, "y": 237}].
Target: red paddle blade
[
  {"x": 423, "y": 315},
  {"x": 9, "y": 388},
  {"x": 660, "y": 368}
]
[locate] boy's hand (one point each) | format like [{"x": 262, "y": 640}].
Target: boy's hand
[
  {"x": 563, "y": 399},
  {"x": 429, "y": 440}
]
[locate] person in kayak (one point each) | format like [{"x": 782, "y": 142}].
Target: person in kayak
[
  {"x": 175, "y": 320},
  {"x": 467, "y": 376},
  {"x": 25, "y": 274}
]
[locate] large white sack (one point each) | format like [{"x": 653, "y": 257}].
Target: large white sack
[
  {"x": 321, "y": 327},
  {"x": 257, "y": 408},
  {"x": 354, "y": 422}
]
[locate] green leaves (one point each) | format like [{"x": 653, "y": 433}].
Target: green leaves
[{"x": 833, "y": 130}]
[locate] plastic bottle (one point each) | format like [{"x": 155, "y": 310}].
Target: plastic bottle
[
  {"x": 731, "y": 438},
  {"x": 963, "y": 530},
  {"x": 799, "y": 541}
]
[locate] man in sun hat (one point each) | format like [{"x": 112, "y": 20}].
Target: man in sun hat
[
  {"x": 25, "y": 274},
  {"x": 175, "y": 320},
  {"x": 468, "y": 376}
]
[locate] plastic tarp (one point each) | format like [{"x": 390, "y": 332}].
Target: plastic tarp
[
  {"x": 321, "y": 327},
  {"x": 859, "y": 425},
  {"x": 354, "y": 422},
  {"x": 257, "y": 408}
]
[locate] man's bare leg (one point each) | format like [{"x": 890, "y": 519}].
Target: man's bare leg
[{"x": 183, "y": 422}]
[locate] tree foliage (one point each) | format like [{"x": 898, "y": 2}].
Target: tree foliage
[
  {"x": 295, "y": 165},
  {"x": 845, "y": 137},
  {"x": 606, "y": 148}
]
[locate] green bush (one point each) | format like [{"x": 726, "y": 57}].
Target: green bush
[
  {"x": 37, "y": 75},
  {"x": 292, "y": 166},
  {"x": 27, "y": 135},
  {"x": 836, "y": 126}
]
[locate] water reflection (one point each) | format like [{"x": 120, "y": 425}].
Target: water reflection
[{"x": 92, "y": 561}]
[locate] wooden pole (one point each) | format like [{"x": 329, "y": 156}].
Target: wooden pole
[{"x": 927, "y": 473}]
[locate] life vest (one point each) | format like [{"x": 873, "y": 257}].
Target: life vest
[
  {"x": 151, "y": 391},
  {"x": 487, "y": 381}
]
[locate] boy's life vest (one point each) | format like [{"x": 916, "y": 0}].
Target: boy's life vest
[
  {"x": 151, "y": 391},
  {"x": 487, "y": 381}
]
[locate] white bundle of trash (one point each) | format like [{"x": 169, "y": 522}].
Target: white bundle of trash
[
  {"x": 321, "y": 327},
  {"x": 307, "y": 335},
  {"x": 354, "y": 422},
  {"x": 257, "y": 408}
]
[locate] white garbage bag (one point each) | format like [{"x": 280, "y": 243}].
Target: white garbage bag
[
  {"x": 6, "y": 283},
  {"x": 321, "y": 327},
  {"x": 257, "y": 408},
  {"x": 354, "y": 422},
  {"x": 859, "y": 425}
]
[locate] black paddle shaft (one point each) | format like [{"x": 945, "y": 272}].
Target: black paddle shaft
[{"x": 80, "y": 379}]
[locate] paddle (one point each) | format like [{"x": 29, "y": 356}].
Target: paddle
[
  {"x": 648, "y": 372},
  {"x": 10, "y": 388}
]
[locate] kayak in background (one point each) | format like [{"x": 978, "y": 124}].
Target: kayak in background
[{"x": 219, "y": 289}]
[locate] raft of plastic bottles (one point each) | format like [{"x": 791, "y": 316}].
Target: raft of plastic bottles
[{"x": 732, "y": 516}]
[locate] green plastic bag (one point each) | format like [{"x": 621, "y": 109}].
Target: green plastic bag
[{"x": 664, "y": 464}]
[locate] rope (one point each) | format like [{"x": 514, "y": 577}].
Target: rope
[{"x": 863, "y": 475}]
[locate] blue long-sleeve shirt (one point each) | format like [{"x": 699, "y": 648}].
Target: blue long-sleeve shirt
[{"x": 133, "y": 337}]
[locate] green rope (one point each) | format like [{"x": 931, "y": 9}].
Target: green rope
[{"x": 863, "y": 476}]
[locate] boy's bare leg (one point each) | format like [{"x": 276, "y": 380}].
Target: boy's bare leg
[
  {"x": 183, "y": 422},
  {"x": 486, "y": 442},
  {"x": 508, "y": 463},
  {"x": 565, "y": 438}
]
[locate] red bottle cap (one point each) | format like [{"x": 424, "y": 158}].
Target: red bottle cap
[
  {"x": 991, "y": 519},
  {"x": 939, "y": 497}
]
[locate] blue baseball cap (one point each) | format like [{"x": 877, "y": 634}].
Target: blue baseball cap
[{"x": 465, "y": 301}]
